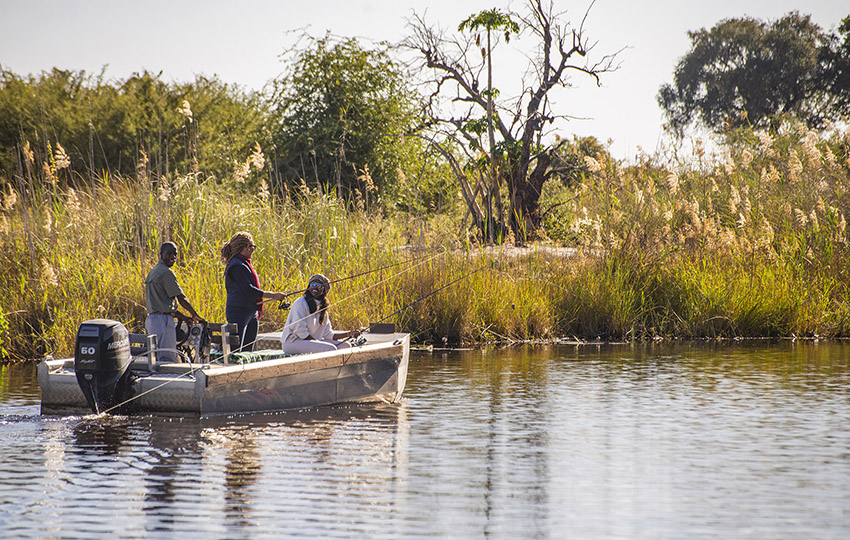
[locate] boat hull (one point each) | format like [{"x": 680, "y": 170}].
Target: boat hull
[{"x": 374, "y": 372}]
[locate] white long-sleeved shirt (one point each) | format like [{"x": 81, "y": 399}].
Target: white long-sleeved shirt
[{"x": 300, "y": 323}]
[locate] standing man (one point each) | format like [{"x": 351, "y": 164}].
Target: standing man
[{"x": 162, "y": 293}]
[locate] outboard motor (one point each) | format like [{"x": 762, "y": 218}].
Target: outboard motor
[{"x": 101, "y": 361}]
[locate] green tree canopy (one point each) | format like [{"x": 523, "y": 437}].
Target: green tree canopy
[
  {"x": 341, "y": 110},
  {"x": 201, "y": 126},
  {"x": 835, "y": 59},
  {"x": 745, "y": 71}
]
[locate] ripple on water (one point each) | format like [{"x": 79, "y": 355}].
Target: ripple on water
[{"x": 602, "y": 442}]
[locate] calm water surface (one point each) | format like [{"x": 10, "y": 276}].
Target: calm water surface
[{"x": 691, "y": 441}]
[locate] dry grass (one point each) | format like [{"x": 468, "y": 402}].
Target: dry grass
[{"x": 751, "y": 243}]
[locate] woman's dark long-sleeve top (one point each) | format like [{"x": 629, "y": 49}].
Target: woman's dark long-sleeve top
[{"x": 242, "y": 293}]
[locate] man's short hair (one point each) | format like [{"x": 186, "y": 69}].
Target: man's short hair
[{"x": 166, "y": 245}]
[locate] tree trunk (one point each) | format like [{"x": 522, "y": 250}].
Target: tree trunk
[{"x": 525, "y": 192}]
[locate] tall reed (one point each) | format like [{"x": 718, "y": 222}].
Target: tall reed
[{"x": 748, "y": 243}]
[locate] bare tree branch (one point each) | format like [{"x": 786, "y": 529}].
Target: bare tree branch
[{"x": 453, "y": 64}]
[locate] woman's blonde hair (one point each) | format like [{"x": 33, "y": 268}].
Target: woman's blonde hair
[{"x": 236, "y": 244}]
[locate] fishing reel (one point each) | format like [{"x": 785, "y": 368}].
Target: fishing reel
[
  {"x": 284, "y": 304},
  {"x": 358, "y": 340}
]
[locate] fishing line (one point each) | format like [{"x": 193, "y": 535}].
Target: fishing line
[
  {"x": 301, "y": 291},
  {"x": 490, "y": 264},
  {"x": 369, "y": 287},
  {"x": 157, "y": 387}
]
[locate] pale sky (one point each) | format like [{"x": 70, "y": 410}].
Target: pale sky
[{"x": 241, "y": 41}]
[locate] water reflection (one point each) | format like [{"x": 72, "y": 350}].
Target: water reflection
[
  {"x": 610, "y": 439},
  {"x": 631, "y": 441},
  {"x": 240, "y": 473},
  {"x": 100, "y": 436}
]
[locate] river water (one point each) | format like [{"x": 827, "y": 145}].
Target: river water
[{"x": 733, "y": 440}]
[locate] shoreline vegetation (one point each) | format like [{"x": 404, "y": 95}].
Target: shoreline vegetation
[{"x": 748, "y": 243}]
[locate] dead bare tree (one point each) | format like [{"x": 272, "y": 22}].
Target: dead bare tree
[{"x": 452, "y": 65}]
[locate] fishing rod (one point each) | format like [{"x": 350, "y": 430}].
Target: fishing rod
[
  {"x": 285, "y": 305},
  {"x": 358, "y": 340},
  {"x": 419, "y": 261},
  {"x": 396, "y": 312}
]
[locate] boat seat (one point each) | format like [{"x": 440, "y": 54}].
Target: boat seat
[
  {"x": 140, "y": 345},
  {"x": 215, "y": 334}
]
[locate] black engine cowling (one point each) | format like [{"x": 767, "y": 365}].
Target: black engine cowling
[{"x": 102, "y": 363}]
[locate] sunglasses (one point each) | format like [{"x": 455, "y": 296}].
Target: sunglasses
[{"x": 317, "y": 284}]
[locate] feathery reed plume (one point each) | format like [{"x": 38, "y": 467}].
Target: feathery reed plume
[
  {"x": 746, "y": 158},
  {"x": 592, "y": 165},
  {"x": 48, "y": 276},
  {"x": 10, "y": 200},
  {"x": 29, "y": 156},
  {"x": 186, "y": 111},
  {"x": 813, "y": 219},
  {"x": 72, "y": 203},
  {"x": 257, "y": 159},
  {"x": 766, "y": 144},
  {"x": 800, "y": 218},
  {"x": 672, "y": 180},
  {"x": 164, "y": 190},
  {"x": 142, "y": 163},
  {"x": 772, "y": 173},
  {"x": 810, "y": 149},
  {"x": 47, "y": 170},
  {"x": 366, "y": 177},
  {"x": 766, "y": 231},
  {"x": 734, "y": 199},
  {"x": 829, "y": 157},
  {"x": 61, "y": 158},
  {"x": 795, "y": 167},
  {"x": 241, "y": 171}
]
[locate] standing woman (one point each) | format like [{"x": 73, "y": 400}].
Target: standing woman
[
  {"x": 308, "y": 326},
  {"x": 244, "y": 295}
]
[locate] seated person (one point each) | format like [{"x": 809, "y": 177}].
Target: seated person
[{"x": 308, "y": 326}]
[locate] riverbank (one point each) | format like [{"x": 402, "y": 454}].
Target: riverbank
[
  {"x": 517, "y": 295},
  {"x": 750, "y": 245}
]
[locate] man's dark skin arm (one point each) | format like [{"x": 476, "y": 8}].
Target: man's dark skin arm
[{"x": 185, "y": 303}]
